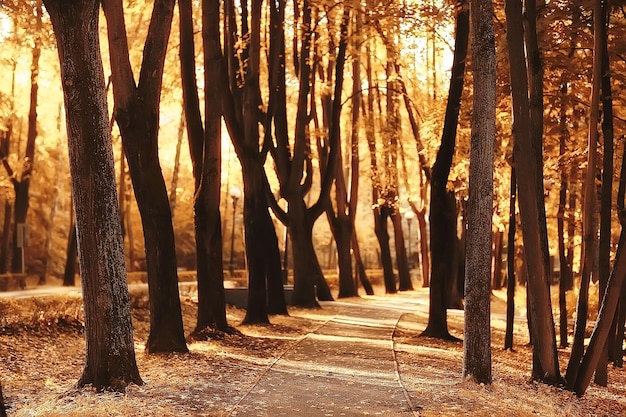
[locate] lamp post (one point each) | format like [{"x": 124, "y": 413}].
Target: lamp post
[
  {"x": 235, "y": 194},
  {"x": 409, "y": 216}
]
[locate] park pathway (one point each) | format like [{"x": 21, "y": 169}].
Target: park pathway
[{"x": 347, "y": 367}]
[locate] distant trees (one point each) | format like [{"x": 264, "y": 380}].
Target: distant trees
[{"x": 110, "y": 358}]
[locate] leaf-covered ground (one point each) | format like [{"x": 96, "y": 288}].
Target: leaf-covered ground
[{"x": 42, "y": 348}]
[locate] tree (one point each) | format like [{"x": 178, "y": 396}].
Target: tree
[
  {"x": 21, "y": 178},
  {"x": 590, "y": 199},
  {"x": 240, "y": 95},
  {"x": 606, "y": 198},
  {"x": 293, "y": 163},
  {"x": 205, "y": 148},
  {"x": 529, "y": 184},
  {"x": 477, "y": 339},
  {"x": 110, "y": 358},
  {"x": 442, "y": 205},
  {"x": 137, "y": 115}
]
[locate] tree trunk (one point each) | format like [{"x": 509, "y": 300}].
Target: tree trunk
[
  {"x": 21, "y": 183},
  {"x": 110, "y": 357},
  {"x": 5, "y": 255},
  {"x": 205, "y": 149},
  {"x": 424, "y": 251},
  {"x": 477, "y": 335},
  {"x": 496, "y": 257},
  {"x": 543, "y": 336},
  {"x": 381, "y": 214},
  {"x": 442, "y": 212},
  {"x": 565, "y": 272},
  {"x": 69, "y": 274},
  {"x": 240, "y": 107},
  {"x": 137, "y": 115},
  {"x": 360, "y": 266},
  {"x": 600, "y": 334},
  {"x": 510, "y": 263},
  {"x": 590, "y": 203},
  {"x": 404, "y": 275},
  {"x": 176, "y": 170},
  {"x": 606, "y": 199}
]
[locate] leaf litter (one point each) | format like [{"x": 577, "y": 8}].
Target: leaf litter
[{"x": 42, "y": 353}]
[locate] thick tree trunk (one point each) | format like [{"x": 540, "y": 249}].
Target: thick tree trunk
[
  {"x": 477, "y": 335},
  {"x": 137, "y": 115},
  {"x": 265, "y": 288},
  {"x": 110, "y": 357},
  {"x": 442, "y": 212}
]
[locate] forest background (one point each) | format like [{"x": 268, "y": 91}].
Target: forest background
[{"x": 408, "y": 50}]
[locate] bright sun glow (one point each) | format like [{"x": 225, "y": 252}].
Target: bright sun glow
[{"x": 5, "y": 26}]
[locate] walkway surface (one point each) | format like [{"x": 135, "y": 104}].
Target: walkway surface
[{"x": 320, "y": 377}]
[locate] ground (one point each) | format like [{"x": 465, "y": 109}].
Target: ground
[{"x": 42, "y": 350}]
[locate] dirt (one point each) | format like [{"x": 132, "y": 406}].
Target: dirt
[{"x": 42, "y": 350}]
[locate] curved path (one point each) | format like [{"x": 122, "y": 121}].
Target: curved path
[{"x": 346, "y": 367}]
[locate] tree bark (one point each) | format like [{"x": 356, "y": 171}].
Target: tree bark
[
  {"x": 477, "y": 339},
  {"x": 137, "y": 115},
  {"x": 110, "y": 358},
  {"x": 69, "y": 274},
  {"x": 442, "y": 212}
]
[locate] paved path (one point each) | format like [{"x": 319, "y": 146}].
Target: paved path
[{"x": 346, "y": 367}]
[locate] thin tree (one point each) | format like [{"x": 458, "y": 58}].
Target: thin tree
[
  {"x": 590, "y": 200},
  {"x": 110, "y": 357},
  {"x": 510, "y": 263},
  {"x": 21, "y": 177},
  {"x": 606, "y": 193},
  {"x": 477, "y": 335},
  {"x": 137, "y": 115},
  {"x": 205, "y": 149},
  {"x": 442, "y": 207},
  {"x": 529, "y": 183}
]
